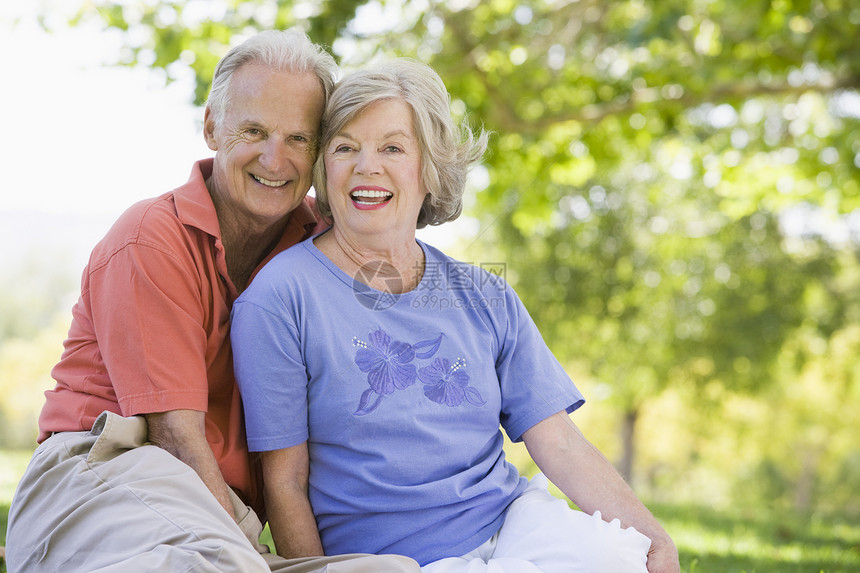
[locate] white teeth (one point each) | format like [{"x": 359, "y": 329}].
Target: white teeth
[
  {"x": 371, "y": 193},
  {"x": 267, "y": 182}
]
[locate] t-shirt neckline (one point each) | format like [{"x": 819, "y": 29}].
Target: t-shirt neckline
[{"x": 359, "y": 286}]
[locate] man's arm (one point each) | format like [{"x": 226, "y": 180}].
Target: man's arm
[
  {"x": 585, "y": 476},
  {"x": 291, "y": 519},
  {"x": 183, "y": 434}
]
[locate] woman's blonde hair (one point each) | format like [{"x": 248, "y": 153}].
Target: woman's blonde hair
[{"x": 447, "y": 150}]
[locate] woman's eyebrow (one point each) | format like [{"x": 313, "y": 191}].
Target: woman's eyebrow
[{"x": 346, "y": 135}]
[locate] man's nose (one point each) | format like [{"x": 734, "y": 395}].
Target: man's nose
[{"x": 275, "y": 155}]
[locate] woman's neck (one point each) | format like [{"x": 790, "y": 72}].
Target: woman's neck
[{"x": 396, "y": 266}]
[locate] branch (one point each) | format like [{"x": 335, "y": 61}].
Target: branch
[
  {"x": 595, "y": 113},
  {"x": 503, "y": 107}
]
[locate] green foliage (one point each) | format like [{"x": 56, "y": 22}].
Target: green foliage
[
  {"x": 4, "y": 514},
  {"x": 34, "y": 294},
  {"x": 25, "y": 374},
  {"x": 646, "y": 159},
  {"x": 666, "y": 180},
  {"x": 172, "y": 36},
  {"x": 34, "y": 317},
  {"x": 818, "y": 466}
]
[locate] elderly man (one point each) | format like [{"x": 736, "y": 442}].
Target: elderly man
[{"x": 143, "y": 464}]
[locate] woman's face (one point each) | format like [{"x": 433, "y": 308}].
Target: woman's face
[{"x": 373, "y": 171}]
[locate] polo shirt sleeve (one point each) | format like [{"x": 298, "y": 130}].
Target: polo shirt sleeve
[
  {"x": 147, "y": 313},
  {"x": 533, "y": 383}
]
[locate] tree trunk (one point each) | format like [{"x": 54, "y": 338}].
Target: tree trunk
[
  {"x": 628, "y": 444},
  {"x": 805, "y": 486}
]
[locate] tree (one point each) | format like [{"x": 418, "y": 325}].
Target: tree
[
  {"x": 646, "y": 154},
  {"x": 647, "y": 161}
]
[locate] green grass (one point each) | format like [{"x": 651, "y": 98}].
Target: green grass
[{"x": 761, "y": 539}]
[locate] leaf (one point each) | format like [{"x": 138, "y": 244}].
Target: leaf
[
  {"x": 363, "y": 408},
  {"x": 473, "y": 397},
  {"x": 431, "y": 345}
]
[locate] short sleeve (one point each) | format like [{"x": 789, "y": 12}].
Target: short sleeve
[
  {"x": 271, "y": 375},
  {"x": 533, "y": 383},
  {"x": 148, "y": 318}
]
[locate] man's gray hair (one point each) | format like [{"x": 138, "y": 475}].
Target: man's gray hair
[
  {"x": 283, "y": 50},
  {"x": 447, "y": 150}
]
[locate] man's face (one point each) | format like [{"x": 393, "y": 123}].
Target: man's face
[{"x": 265, "y": 144}]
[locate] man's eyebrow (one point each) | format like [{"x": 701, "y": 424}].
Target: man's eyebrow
[
  {"x": 252, "y": 123},
  {"x": 245, "y": 123},
  {"x": 304, "y": 133}
]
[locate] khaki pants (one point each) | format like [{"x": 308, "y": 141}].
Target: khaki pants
[{"x": 106, "y": 501}]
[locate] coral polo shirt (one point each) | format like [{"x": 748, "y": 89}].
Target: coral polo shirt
[{"x": 150, "y": 331}]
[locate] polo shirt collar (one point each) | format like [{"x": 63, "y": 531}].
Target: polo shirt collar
[{"x": 194, "y": 207}]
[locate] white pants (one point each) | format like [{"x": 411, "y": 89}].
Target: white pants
[
  {"x": 106, "y": 501},
  {"x": 542, "y": 534}
]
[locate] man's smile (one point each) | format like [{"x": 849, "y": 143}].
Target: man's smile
[{"x": 268, "y": 182}]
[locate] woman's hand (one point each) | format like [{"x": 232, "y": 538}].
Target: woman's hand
[
  {"x": 663, "y": 556},
  {"x": 588, "y": 479}
]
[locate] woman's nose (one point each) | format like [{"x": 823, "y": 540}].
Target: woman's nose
[{"x": 368, "y": 163}]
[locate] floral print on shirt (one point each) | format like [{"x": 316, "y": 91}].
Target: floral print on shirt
[
  {"x": 448, "y": 384},
  {"x": 388, "y": 365}
]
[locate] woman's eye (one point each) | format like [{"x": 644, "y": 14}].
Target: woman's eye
[
  {"x": 342, "y": 148},
  {"x": 392, "y": 149}
]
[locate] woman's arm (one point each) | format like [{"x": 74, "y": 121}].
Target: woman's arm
[
  {"x": 285, "y": 486},
  {"x": 585, "y": 476}
]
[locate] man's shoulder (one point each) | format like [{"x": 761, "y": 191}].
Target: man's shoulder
[
  {"x": 150, "y": 222},
  {"x": 164, "y": 217}
]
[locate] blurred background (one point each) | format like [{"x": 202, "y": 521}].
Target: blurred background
[{"x": 672, "y": 187}]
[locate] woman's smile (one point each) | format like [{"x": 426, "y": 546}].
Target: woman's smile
[
  {"x": 370, "y": 197},
  {"x": 373, "y": 168}
]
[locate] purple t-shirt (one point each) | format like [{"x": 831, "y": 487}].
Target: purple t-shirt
[{"x": 400, "y": 397}]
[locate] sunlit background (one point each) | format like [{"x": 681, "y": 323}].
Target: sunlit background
[{"x": 673, "y": 188}]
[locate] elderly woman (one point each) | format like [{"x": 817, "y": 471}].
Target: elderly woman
[{"x": 376, "y": 371}]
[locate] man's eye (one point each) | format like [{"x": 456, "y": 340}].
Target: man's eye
[
  {"x": 299, "y": 138},
  {"x": 254, "y": 132}
]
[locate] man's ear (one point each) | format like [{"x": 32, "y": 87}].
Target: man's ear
[{"x": 209, "y": 129}]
